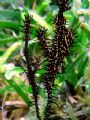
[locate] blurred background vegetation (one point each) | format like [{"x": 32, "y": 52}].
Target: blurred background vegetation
[{"x": 13, "y": 83}]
